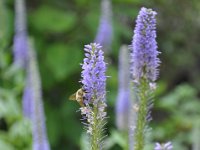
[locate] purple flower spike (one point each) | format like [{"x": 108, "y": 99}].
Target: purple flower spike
[
  {"x": 123, "y": 98},
  {"x": 93, "y": 74},
  {"x": 144, "y": 47},
  {"x": 20, "y": 45},
  {"x": 166, "y": 146},
  {"x": 33, "y": 104},
  {"x": 144, "y": 71},
  {"x": 94, "y": 86},
  {"x": 104, "y": 33}
]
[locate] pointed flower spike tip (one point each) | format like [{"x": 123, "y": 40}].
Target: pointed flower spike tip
[
  {"x": 20, "y": 43},
  {"x": 104, "y": 33}
]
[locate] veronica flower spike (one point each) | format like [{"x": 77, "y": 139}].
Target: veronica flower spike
[
  {"x": 33, "y": 98},
  {"x": 144, "y": 70},
  {"x": 94, "y": 87},
  {"x": 105, "y": 32},
  {"x": 20, "y": 44},
  {"x": 123, "y": 98}
]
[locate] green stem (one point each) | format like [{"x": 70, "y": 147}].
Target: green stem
[
  {"x": 95, "y": 131},
  {"x": 142, "y": 113},
  {"x": 126, "y": 136}
]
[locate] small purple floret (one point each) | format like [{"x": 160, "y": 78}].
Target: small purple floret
[{"x": 165, "y": 146}]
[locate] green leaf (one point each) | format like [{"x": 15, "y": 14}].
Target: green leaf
[
  {"x": 6, "y": 146},
  {"x": 63, "y": 60},
  {"x": 9, "y": 106},
  {"x": 116, "y": 138},
  {"x": 20, "y": 133},
  {"x": 49, "y": 19},
  {"x": 6, "y": 27}
]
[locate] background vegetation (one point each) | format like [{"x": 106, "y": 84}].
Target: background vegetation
[{"x": 60, "y": 29}]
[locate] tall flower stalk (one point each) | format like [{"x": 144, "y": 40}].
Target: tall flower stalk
[
  {"x": 20, "y": 45},
  {"x": 123, "y": 98},
  {"x": 94, "y": 86},
  {"x": 104, "y": 33},
  {"x": 144, "y": 64},
  {"x": 34, "y": 104}
]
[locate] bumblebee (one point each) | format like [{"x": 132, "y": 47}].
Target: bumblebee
[{"x": 78, "y": 96}]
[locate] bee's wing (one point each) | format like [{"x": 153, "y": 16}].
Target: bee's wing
[
  {"x": 72, "y": 97},
  {"x": 81, "y": 103}
]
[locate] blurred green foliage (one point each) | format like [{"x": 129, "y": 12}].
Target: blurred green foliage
[
  {"x": 178, "y": 117},
  {"x": 60, "y": 29},
  {"x": 15, "y": 130}
]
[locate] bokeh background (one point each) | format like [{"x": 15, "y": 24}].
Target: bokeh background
[{"x": 60, "y": 29}]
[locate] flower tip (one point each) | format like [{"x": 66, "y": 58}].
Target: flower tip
[{"x": 148, "y": 10}]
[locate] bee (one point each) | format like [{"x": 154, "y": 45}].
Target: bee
[
  {"x": 78, "y": 96},
  {"x": 135, "y": 107}
]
